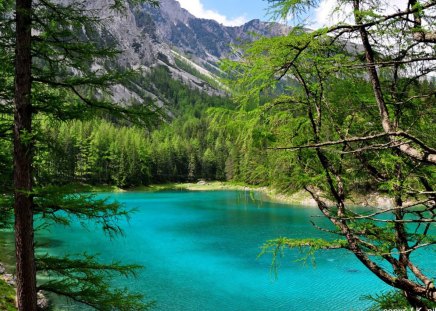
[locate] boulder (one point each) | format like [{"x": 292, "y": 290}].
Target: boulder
[
  {"x": 42, "y": 301},
  {"x": 10, "y": 279}
]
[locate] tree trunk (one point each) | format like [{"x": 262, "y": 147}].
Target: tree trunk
[{"x": 23, "y": 148}]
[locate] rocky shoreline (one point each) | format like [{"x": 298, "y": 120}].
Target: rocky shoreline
[
  {"x": 10, "y": 280},
  {"x": 303, "y": 198}
]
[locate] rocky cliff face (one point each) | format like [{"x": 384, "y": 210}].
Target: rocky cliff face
[
  {"x": 201, "y": 39},
  {"x": 169, "y": 35}
]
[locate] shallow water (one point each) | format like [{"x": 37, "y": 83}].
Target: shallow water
[{"x": 200, "y": 249}]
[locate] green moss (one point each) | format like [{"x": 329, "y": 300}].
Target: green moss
[{"x": 7, "y": 297}]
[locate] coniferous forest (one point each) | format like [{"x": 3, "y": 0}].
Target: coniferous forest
[{"x": 341, "y": 111}]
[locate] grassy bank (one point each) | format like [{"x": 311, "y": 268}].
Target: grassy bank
[{"x": 202, "y": 186}]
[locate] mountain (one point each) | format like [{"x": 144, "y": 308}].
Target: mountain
[
  {"x": 168, "y": 35},
  {"x": 203, "y": 39}
]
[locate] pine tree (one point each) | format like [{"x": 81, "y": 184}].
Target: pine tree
[{"x": 48, "y": 50}]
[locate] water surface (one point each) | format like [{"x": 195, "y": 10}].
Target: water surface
[{"x": 200, "y": 249}]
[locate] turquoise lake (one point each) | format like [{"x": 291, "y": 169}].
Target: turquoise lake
[{"x": 199, "y": 251}]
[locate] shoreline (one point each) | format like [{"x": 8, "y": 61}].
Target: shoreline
[{"x": 299, "y": 198}]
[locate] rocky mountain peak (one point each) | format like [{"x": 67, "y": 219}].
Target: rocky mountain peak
[
  {"x": 205, "y": 40},
  {"x": 172, "y": 10}
]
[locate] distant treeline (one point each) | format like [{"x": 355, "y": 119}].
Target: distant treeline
[
  {"x": 99, "y": 152},
  {"x": 203, "y": 140}
]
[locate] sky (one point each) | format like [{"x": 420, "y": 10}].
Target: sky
[
  {"x": 238, "y": 12},
  {"x": 227, "y": 12}
]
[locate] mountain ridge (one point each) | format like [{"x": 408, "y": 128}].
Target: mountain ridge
[{"x": 170, "y": 36}]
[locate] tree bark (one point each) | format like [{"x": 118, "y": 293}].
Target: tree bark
[{"x": 23, "y": 148}]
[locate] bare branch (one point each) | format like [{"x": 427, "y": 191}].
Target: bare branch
[{"x": 388, "y": 210}]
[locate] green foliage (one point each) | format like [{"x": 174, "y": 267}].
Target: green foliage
[
  {"x": 388, "y": 300},
  {"x": 98, "y": 152},
  {"x": 61, "y": 204},
  {"x": 295, "y": 8},
  {"x": 330, "y": 123},
  {"x": 84, "y": 279},
  {"x": 7, "y": 297},
  {"x": 107, "y": 150},
  {"x": 391, "y": 300},
  {"x": 294, "y": 91},
  {"x": 307, "y": 247},
  {"x": 5, "y": 167},
  {"x": 73, "y": 73},
  {"x": 6, "y": 212}
]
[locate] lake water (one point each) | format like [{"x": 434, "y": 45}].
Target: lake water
[{"x": 199, "y": 251}]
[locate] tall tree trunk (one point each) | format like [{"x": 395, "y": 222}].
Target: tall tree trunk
[{"x": 23, "y": 148}]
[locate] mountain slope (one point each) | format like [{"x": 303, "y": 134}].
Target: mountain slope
[{"x": 170, "y": 36}]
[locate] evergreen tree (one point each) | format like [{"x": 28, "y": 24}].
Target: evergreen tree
[{"x": 48, "y": 49}]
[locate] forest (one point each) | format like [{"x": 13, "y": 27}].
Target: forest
[
  {"x": 202, "y": 140},
  {"x": 342, "y": 110}
]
